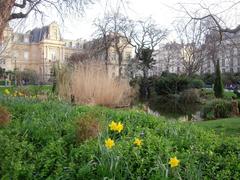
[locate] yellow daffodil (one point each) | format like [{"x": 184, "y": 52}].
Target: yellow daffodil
[
  {"x": 116, "y": 126},
  {"x": 137, "y": 142},
  {"x": 113, "y": 126},
  {"x": 174, "y": 162},
  {"x": 109, "y": 143},
  {"x": 119, "y": 127},
  {"x": 6, "y": 91}
]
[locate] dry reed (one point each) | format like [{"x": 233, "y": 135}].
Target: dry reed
[{"x": 90, "y": 84}]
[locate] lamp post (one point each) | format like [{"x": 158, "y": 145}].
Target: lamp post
[{"x": 15, "y": 68}]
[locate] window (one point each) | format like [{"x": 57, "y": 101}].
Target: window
[
  {"x": 55, "y": 34},
  {"x": 223, "y": 70},
  {"x": 231, "y": 62},
  {"x": 223, "y": 62},
  {"x": 26, "y": 55},
  {"x": 231, "y": 70},
  {"x": 238, "y": 69},
  {"x": 53, "y": 56},
  {"x": 238, "y": 61}
]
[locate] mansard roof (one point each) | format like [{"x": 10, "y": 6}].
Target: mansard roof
[{"x": 38, "y": 34}]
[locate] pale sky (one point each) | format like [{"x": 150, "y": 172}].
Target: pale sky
[{"x": 164, "y": 12}]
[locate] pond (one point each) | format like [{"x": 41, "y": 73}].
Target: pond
[{"x": 171, "y": 108}]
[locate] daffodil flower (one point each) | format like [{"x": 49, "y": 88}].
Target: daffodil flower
[{"x": 174, "y": 162}]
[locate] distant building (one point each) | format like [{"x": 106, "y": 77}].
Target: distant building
[
  {"x": 38, "y": 49},
  {"x": 228, "y": 54},
  {"x": 168, "y": 59}
]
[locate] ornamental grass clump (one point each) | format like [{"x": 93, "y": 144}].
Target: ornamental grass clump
[
  {"x": 90, "y": 83},
  {"x": 4, "y": 116}
]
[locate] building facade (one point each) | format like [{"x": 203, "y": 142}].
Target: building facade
[
  {"x": 172, "y": 58},
  {"x": 227, "y": 53},
  {"x": 168, "y": 59},
  {"x": 37, "y": 50}
]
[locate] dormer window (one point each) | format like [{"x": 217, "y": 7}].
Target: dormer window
[{"x": 54, "y": 33}]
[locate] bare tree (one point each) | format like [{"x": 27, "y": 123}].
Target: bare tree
[
  {"x": 192, "y": 38},
  {"x": 144, "y": 35},
  {"x": 110, "y": 32},
  {"x": 209, "y": 13},
  {"x": 103, "y": 41},
  {"x": 16, "y": 9},
  {"x": 118, "y": 23}
]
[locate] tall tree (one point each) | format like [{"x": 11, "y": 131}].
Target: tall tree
[
  {"x": 218, "y": 84},
  {"x": 15, "y": 9},
  {"x": 118, "y": 22},
  {"x": 192, "y": 38},
  {"x": 103, "y": 40},
  {"x": 110, "y": 31},
  {"x": 144, "y": 35}
]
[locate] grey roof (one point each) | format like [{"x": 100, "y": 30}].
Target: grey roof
[{"x": 38, "y": 34}]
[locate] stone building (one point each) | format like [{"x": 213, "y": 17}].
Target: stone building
[
  {"x": 38, "y": 49},
  {"x": 168, "y": 58},
  {"x": 227, "y": 52}
]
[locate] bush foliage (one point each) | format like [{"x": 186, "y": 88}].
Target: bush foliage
[
  {"x": 41, "y": 143},
  {"x": 217, "y": 108},
  {"x": 174, "y": 84}
]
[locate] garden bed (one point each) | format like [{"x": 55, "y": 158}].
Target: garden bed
[{"x": 42, "y": 140}]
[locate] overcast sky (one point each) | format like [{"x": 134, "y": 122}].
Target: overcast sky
[{"x": 165, "y": 13}]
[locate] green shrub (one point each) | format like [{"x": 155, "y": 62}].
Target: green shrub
[
  {"x": 208, "y": 78},
  {"x": 217, "y": 109},
  {"x": 207, "y": 94},
  {"x": 171, "y": 84},
  {"x": 196, "y": 83},
  {"x": 189, "y": 96}
]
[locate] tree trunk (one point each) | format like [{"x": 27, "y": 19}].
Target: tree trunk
[
  {"x": 120, "y": 59},
  {"x": 6, "y": 7},
  {"x": 106, "y": 59}
]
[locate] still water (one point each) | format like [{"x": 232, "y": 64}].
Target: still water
[{"x": 173, "y": 109}]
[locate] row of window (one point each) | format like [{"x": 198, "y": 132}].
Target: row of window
[
  {"x": 223, "y": 63},
  {"x": 231, "y": 70}
]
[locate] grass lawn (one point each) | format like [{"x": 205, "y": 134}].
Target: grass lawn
[{"x": 229, "y": 126}]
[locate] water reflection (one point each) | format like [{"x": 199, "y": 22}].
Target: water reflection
[{"x": 171, "y": 108}]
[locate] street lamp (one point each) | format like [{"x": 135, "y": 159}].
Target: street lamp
[{"x": 15, "y": 68}]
